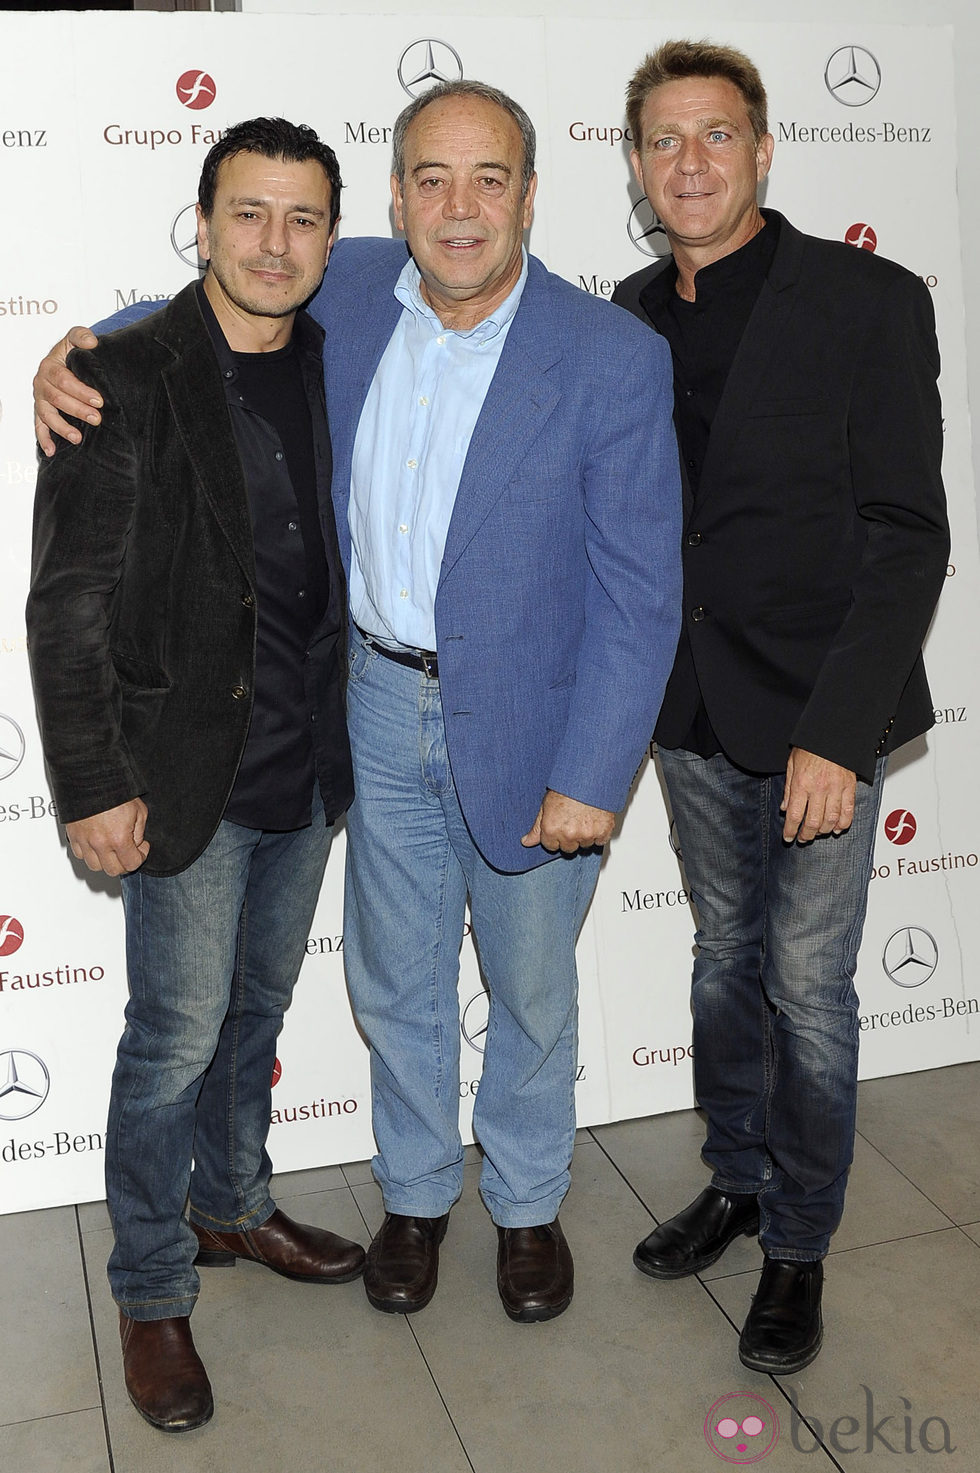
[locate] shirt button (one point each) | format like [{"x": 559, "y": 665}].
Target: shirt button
[
  {"x": 248, "y": 600},
  {"x": 412, "y": 464},
  {"x": 698, "y": 614},
  {"x": 292, "y": 526},
  {"x": 691, "y": 464},
  {"x": 441, "y": 340},
  {"x": 402, "y": 528},
  {"x": 302, "y": 593},
  {"x": 279, "y": 455},
  {"x": 689, "y": 393},
  {"x": 229, "y": 373},
  {"x": 404, "y": 593},
  {"x": 424, "y": 401},
  {"x": 239, "y": 692},
  {"x": 694, "y": 539}
]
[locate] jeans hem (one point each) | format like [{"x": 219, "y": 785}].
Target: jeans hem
[
  {"x": 238, "y": 1224},
  {"x": 532, "y": 1214},
  {"x": 157, "y": 1309}
]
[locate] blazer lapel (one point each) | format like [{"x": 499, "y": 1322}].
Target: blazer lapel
[
  {"x": 197, "y": 398},
  {"x": 771, "y": 318},
  {"x": 521, "y": 398}
]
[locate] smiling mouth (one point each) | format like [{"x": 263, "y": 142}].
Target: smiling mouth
[{"x": 461, "y": 242}]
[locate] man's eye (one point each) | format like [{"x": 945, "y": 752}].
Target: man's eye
[
  {"x": 663, "y": 143},
  {"x": 718, "y": 135}
]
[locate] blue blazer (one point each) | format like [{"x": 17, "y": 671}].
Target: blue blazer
[{"x": 558, "y": 604}]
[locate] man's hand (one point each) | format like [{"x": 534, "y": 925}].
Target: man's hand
[
  {"x": 112, "y": 841},
  {"x": 818, "y": 797},
  {"x": 565, "y": 824},
  {"x": 57, "y": 391}
]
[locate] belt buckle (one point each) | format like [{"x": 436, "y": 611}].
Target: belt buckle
[{"x": 430, "y": 664}]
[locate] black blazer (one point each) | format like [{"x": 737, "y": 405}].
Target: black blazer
[
  {"x": 141, "y": 615},
  {"x": 819, "y": 546}
]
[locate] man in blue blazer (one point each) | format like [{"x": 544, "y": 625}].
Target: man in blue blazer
[{"x": 509, "y": 519}]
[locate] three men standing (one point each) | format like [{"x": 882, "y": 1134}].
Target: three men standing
[{"x": 815, "y": 545}]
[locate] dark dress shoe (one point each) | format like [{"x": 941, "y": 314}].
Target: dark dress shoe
[
  {"x": 403, "y": 1262},
  {"x": 309, "y": 1254},
  {"x": 784, "y": 1329},
  {"x": 535, "y": 1275},
  {"x": 166, "y": 1381},
  {"x": 698, "y": 1236}
]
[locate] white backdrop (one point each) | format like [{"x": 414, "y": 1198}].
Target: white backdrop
[{"x": 99, "y": 180}]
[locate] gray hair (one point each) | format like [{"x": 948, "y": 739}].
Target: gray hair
[{"x": 464, "y": 88}]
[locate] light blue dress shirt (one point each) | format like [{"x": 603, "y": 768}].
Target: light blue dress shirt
[{"x": 412, "y": 439}]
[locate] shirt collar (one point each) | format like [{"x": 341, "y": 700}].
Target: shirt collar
[{"x": 407, "y": 291}]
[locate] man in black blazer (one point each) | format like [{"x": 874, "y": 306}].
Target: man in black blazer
[
  {"x": 186, "y": 621},
  {"x": 815, "y": 546}
]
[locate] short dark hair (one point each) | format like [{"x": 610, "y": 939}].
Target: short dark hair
[
  {"x": 464, "y": 88},
  {"x": 272, "y": 138},
  {"x": 675, "y": 60}
]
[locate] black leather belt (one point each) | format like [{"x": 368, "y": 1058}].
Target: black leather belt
[{"x": 427, "y": 661}]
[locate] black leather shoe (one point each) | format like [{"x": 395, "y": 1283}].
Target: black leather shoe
[
  {"x": 310, "y": 1254},
  {"x": 784, "y": 1329},
  {"x": 403, "y": 1262},
  {"x": 535, "y": 1275},
  {"x": 165, "y": 1378},
  {"x": 698, "y": 1236}
]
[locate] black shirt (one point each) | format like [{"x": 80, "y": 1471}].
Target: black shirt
[
  {"x": 272, "y": 412},
  {"x": 704, "y": 336}
]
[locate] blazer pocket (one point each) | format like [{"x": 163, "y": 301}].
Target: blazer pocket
[
  {"x": 801, "y": 404},
  {"x": 136, "y": 673}
]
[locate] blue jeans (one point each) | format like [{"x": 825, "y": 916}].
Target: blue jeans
[
  {"x": 410, "y": 864},
  {"x": 775, "y": 1011},
  {"x": 212, "y": 954}
]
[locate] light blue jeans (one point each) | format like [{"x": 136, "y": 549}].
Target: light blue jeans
[
  {"x": 410, "y": 864},
  {"x": 775, "y": 1010},
  {"x": 212, "y": 955}
]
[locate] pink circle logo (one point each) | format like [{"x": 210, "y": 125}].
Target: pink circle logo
[
  {"x": 276, "y": 1073},
  {"x": 741, "y": 1428}
]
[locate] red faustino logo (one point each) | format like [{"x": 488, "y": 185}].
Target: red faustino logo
[
  {"x": 862, "y": 236},
  {"x": 276, "y": 1073},
  {"x": 196, "y": 90},
  {"x": 900, "y": 826},
  {"x": 11, "y": 935}
]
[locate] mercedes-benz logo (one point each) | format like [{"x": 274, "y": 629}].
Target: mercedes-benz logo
[
  {"x": 12, "y": 746},
  {"x": 183, "y": 236},
  {"x": 853, "y": 76},
  {"x": 423, "y": 64},
  {"x": 646, "y": 231},
  {"x": 24, "y": 1084},
  {"x": 475, "y": 1020},
  {"x": 910, "y": 956}
]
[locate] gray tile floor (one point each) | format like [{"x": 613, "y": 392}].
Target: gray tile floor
[{"x": 312, "y": 1380}]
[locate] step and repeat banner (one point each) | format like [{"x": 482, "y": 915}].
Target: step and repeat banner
[{"x": 104, "y": 122}]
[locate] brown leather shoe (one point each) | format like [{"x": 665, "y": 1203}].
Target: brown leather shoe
[
  {"x": 403, "y": 1262},
  {"x": 166, "y": 1381},
  {"x": 309, "y": 1254},
  {"x": 535, "y": 1275}
]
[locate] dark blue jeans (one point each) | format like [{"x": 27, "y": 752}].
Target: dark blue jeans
[
  {"x": 212, "y": 955},
  {"x": 775, "y": 1011}
]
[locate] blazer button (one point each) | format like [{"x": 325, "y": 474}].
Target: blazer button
[
  {"x": 239, "y": 692},
  {"x": 694, "y": 539},
  {"x": 698, "y": 614},
  {"x": 248, "y": 600}
]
